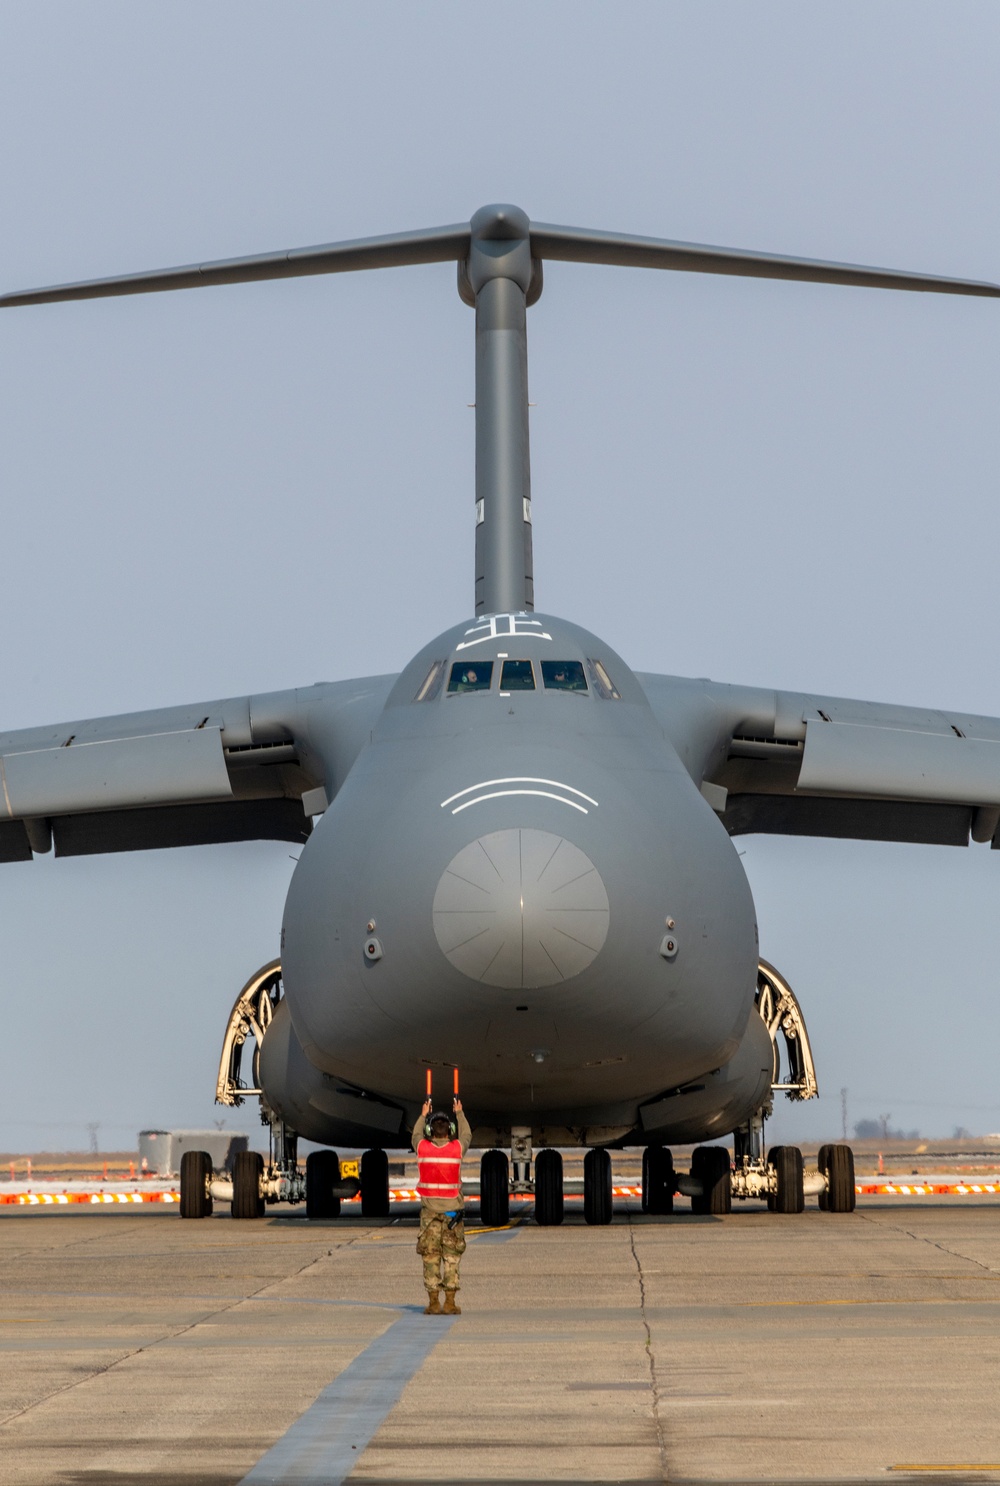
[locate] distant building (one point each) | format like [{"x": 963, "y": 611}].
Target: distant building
[{"x": 160, "y": 1151}]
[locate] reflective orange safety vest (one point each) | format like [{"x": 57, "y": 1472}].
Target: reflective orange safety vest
[{"x": 439, "y": 1169}]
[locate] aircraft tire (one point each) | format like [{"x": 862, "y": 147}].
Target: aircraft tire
[
  {"x": 248, "y": 1168},
  {"x": 657, "y": 1180},
  {"x": 322, "y": 1175},
  {"x": 597, "y": 1197},
  {"x": 196, "y": 1173},
  {"x": 711, "y": 1164},
  {"x": 374, "y": 1184},
  {"x": 823, "y": 1162},
  {"x": 494, "y": 1190},
  {"x": 841, "y": 1196},
  {"x": 789, "y": 1197},
  {"x": 549, "y": 1202}
]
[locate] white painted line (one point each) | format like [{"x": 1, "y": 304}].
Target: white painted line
[
  {"x": 519, "y": 779},
  {"x": 498, "y": 794}
]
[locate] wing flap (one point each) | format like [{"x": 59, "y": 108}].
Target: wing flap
[
  {"x": 854, "y": 759},
  {"x": 116, "y": 773},
  {"x": 14, "y": 843},
  {"x": 176, "y": 825}
]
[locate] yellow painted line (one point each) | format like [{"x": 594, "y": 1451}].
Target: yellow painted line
[
  {"x": 22, "y": 1320},
  {"x": 503, "y": 1228},
  {"x": 944, "y": 1467}
]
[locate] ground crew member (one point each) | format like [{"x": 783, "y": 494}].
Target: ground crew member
[{"x": 440, "y": 1141}]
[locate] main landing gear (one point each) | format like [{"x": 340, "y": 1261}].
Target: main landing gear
[
  {"x": 253, "y": 1182},
  {"x": 781, "y": 1179},
  {"x": 326, "y": 1186}
]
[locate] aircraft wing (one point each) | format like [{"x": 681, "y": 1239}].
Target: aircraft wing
[
  {"x": 795, "y": 764},
  {"x": 232, "y": 770}
]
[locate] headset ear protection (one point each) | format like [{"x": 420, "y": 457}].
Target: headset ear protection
[{"x": 452, "y": 1127}]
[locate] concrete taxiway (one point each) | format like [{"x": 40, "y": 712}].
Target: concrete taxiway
[{"x": 135, "y": 1347}]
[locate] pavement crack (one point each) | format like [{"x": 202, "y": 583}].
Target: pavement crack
[
  {"x": 654, "y": 1381},
  {"x": 932, "y": 1242}
]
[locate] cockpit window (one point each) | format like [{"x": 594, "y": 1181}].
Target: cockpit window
[
  {"x": 517, "y": 675},
  {"x": 603, "y": 684},
  {"x": 470, "y": 676},
  {"x": 432, "y": 682},
  {"x": 563, "y": 675}
]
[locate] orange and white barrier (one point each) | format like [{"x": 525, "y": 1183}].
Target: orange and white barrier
[
  {"x": 407, "y": 1194},
  {"x": 928, "y": 1189},
  {"x": 64, "y": 1199}
]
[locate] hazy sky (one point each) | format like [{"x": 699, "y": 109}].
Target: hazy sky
[{"x": 252, "y": 487}]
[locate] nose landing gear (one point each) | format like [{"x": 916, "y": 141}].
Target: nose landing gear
[
  {"x": 547, "y": 1185},
  {"x": 658, "y": 1180},
  {"x": 597, "y": 1193},
  {"x": 549, "y": 1195}
]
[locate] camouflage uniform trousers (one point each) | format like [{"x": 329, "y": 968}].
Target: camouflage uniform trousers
[{"x": 441, "y": 1245}]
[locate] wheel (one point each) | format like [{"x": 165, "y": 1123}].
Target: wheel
[
  {"x": 248, "y": 1168},
  {"x": 494, "y": 1190},
  {"x": 196, "y": 1173},
  {"x": 823, "y": 1162},
  {"x": 322, "y": 1175},
  {"x": 711, "y": 1164},
  {"x": 840, "y": 1194},
  {"x": 657, "y": 1180},
  {"x": 548, "y": 1189},
  {"x": 374, "y": 1184},
  {"x": 788, "y": 1197},
  {"x": 597, "y": 1187},
  {"x": 772, "y": 1160}
]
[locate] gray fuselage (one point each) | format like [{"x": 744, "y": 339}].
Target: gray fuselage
[{"x": 554, "y": 907}]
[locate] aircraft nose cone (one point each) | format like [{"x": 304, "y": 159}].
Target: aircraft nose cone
[{"x": 521, "y": 908}]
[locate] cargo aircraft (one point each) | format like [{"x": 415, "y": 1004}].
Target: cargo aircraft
[{"x": 517, "y": 854}]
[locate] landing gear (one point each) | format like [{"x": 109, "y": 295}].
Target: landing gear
[
  {"x": 248, "y": 1171},
  {"x": 657, "y": 1180},
  {"x": 374, "y": 1185},
  {"x": 549, "y": 1205},
  {"x": 789, "y": 1195},
  {"x": 196, "y": 1173},
  {"x": 780, "y": 1178},
  {"x": 322, "y": 1176},
  {"x": 710, "y": 1165},
  {"x": 494, "y": 1190},
  {"x": 836, "y": 1163},
  {"x": 597, "y": 1187}
]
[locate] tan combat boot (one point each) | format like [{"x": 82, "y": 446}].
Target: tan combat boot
[
  {"x": 433, "y": 1306},
  {"x": 450, "y": 1307}
]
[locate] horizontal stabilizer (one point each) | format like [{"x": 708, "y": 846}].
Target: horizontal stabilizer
[
  {"x": 435, "y": 245},
  {"x": 454, "y": 244},
  {"x": 579, "y": 245}
]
